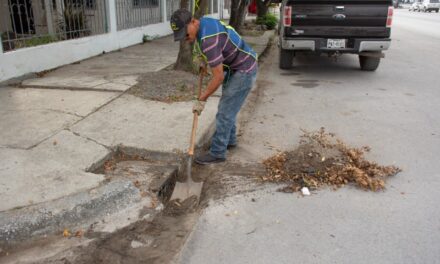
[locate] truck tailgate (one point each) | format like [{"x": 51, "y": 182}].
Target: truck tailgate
[{"x": 352, "y": 18}]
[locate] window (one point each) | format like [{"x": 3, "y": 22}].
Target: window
[{"x": 145, "y": 3}]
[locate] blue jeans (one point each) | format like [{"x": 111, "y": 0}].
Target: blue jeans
[{"x": 234, "y": 93}]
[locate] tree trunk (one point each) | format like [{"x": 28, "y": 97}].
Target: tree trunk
[
  {"x": 262, "y": 8},
  {"x": 238, "y": 8},
  {"x": 234, "y": 12},
  {"x": 184, "y": 60}
]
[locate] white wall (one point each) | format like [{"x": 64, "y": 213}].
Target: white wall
[
  {"x": 35, "y": 59},
  {"x": 40, "y": 58}
]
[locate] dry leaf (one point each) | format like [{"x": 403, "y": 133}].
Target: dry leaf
[
  {"x": 322, "y": 159},
  {"x": 66, "y": 233},
  {"x": 79, "y": 233}
]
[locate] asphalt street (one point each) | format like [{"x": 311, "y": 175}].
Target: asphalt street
[{"x": 395, "y": 111}]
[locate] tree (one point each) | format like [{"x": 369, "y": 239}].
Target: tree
[
  {"x": 262, "y": 8},
  {"x": 184, "y": 60},
  {"x": 238, "y": 8}
]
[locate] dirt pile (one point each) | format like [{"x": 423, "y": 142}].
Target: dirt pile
[
  {"x": 167, "y": 86},
  {"x": 323, "y": 160}
]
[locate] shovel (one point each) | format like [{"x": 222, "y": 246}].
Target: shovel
[{"x": 189, "y": 188}]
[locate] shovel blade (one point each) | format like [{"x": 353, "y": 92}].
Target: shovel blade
[{"x": 185, "y": 190}]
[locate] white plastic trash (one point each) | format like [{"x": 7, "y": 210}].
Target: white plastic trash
[{"x": 305, "y": 191}]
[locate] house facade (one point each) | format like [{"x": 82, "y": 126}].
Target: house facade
[{"x": 35, "y": 34}]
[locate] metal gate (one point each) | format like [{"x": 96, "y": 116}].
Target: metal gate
[
  {"x": 27, "y": 23},
  {"x": 137, "y": 13}
]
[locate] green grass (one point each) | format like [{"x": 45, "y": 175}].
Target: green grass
[{"x": 35, "y": 41}]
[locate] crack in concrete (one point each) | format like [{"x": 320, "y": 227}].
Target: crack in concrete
[
  {"x": 74, "y": 123},
  {"x": 11, "y": 147},
  {"x": 91, "y": 139},
  {"x": 70, "y": 88},
  {"x": 46, "y": 138},
  {"x": 44, "y": 109},
  {"x": 99, "y": 108}
]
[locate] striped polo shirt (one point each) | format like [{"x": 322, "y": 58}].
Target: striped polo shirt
[{"x": 219, "y": 49}]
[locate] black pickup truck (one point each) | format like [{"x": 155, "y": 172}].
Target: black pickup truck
[{"x": 335, "y": 27}]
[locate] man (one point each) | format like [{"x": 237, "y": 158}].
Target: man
[{"x": 233, "y": 63}]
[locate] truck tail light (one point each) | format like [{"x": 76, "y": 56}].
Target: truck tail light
[
  {"x": 390, "y": 16},
  {"x": 287, "y": 17}
]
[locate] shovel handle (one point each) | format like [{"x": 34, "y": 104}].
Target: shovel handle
[
  {"x": 193, "y": 134},
  {"x": 195, "y": 119}
]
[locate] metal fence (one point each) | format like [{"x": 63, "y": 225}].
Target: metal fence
[
  {"x": 172, "y": 5},
  {"x": 26, "y": 23},
  {"x": 215, "y": 6},
  {"x": 137, "y": 13}
]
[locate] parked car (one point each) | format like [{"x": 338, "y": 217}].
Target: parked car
[
  {"x": 430, "y": 5},
  {"x": 335, "y": 27},
  {"x": 415, "y": 6}
]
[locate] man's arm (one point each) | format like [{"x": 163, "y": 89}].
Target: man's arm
[{"x": 215, "y": 83}]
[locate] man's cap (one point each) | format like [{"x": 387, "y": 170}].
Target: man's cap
[{"x": 179, "y": 22}]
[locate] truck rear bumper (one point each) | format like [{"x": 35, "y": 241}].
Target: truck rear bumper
[{"x": 320, "y": 45}]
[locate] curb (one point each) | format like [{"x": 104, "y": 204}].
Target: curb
[{"x": 74, "y": 210}]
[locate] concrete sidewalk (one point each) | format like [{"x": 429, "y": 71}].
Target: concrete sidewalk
[{"x": 58, "y": 128}]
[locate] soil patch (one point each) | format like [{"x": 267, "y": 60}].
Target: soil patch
[
  {"x": 166, "y": 86},
  {"x": 176, "y": 207},
  {"x": 324, "y": 160},
  {"x": 250, "y": 28}
]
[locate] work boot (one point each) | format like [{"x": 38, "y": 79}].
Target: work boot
[
  {"x": 232, "y": 146},
  {"x": 207, "y": 158}
]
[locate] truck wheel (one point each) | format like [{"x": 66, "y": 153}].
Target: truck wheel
[
  {"x": 436, "y": 11},
  {"x": 286, "y": 58},
  {"x": 369, "y": 63}
]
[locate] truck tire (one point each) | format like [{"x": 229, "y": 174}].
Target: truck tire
[
  {"x": 286, "y": 59},
  {"x": 369, "y": 63}
]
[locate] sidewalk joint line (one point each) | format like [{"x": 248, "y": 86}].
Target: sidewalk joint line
[
  {"x": 68, "y": 88},
  {"x": 91, "y": 139}
]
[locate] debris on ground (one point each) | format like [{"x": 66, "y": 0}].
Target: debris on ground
[
  {"x": 324, "y": 160},
  {"x": 79, "y": 233},
  {"x": 177, "y": 207},
  {"x": 305, "y": 191},
  {"x": 66, "y": 233},
  {"x": 251, "y": 28}
]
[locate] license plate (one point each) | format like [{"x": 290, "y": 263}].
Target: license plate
[{"x": 336, "y": 43}]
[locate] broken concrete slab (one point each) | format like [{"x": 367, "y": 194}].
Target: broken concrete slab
[
  {"x": 72, "y": 211},
  {"x": 53, "y": 169},
  {"x": 116, "y": 71},
  {"x": 134, "y": 122},
  {"x": 131, "y": 194},
  {"x": 29, "y": 116}
]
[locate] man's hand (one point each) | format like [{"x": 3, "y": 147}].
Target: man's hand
[{"x": 198, "y": 106}]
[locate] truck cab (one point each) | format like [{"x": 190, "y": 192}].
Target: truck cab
[{"x": 361, "y": 27}]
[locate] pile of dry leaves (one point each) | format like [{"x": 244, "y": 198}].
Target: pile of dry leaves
[{"x": 322, "y": 159}]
